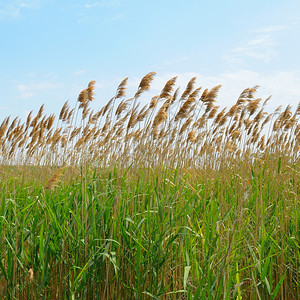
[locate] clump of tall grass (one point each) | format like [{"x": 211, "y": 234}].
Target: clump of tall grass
[{"x": 176, "y": 199}]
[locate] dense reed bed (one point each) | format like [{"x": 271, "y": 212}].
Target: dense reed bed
[{"x": 176, "y": 198}]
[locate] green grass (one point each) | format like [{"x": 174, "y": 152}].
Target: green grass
[{"x": 152, "y": 234}]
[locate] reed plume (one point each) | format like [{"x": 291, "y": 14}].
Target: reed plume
[
  {"x": 145, "y": 84},
  {"x": 51, "y": 183}
]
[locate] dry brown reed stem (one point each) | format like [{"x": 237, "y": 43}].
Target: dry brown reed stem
[
  {"x": 182, "y": 113},
  {"x": 93, "y": 117},
  {"x": 142, "y": 113},
  {"x": 121, "y": 89},
  {"x": 211, "y": 95},
  {"x": 106, "y": 107},
  {"x": 82, "y": 98},
  {"x": 153, "y": 102},
  {"x": 185, "y": 125},
  {"x": 122, "y": 107},
  {"x": 28, "y": 120},
  {"x": 160, "y": 117},
  {"x": 90, "y": 90},
  {"x": 223, "y": 120},
  {"x": 259, "y": 116},
  {"x": 188, "y": 89},
  {"x": 51, "y": 183},
  {"x": 85, "y": 112},
  {"x": 200, "y": 123},
  {"x": 233, "y": 110},
  {"x": 204, "y": 94},
  {"x": 213, "y": 112},
  {"x": 4, "y": 126},
  {"x": 12, "y": 126},
  {"x": 253, "y": 106},
  {"x": 244, "y": 94},
  {"x": 192, "y": 136},
  {"x": 252, "y": 91},
  {"x": 63, "y": 110},
  {"x": 49, "y": 122},
  {"x": 66, "y": 115},
  {"x": 69, "y": 117},
  {"x": 74, "y": 133},
  {"x": 168, "y": 88},
  {"x": 145, "y": 84},
  {"x": 120, "y": 93},
  {"x": 175, "y": 96},
  {"x": 133, "y": 118},
  {"x": 195, "y": 93},
  {"x": 40, "y": 112},
  {"x": 219, "y": 116}
]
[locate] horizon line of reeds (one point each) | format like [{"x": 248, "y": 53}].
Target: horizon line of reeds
[{"x": 173, "y": 129}]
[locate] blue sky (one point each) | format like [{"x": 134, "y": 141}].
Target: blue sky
[{"x": 51, "y": 49}]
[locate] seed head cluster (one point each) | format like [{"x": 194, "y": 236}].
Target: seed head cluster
[{"x": 173, "y": 130}]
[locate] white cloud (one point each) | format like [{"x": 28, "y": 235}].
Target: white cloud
[
  {"x": 79, "y": 72},
  {"x": 29, "y": 90},
  {"x": 274, "y": 28},
  {"x": 262, "y": 47},
  {"x": 261, "y": 41},
  {"x": 103, "y": 3},
  {"x": 89, "y": 11},
  {"x": 12, "y": 9}
]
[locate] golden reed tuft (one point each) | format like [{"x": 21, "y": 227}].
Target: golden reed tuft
[{"x": 158, "y": 132}]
